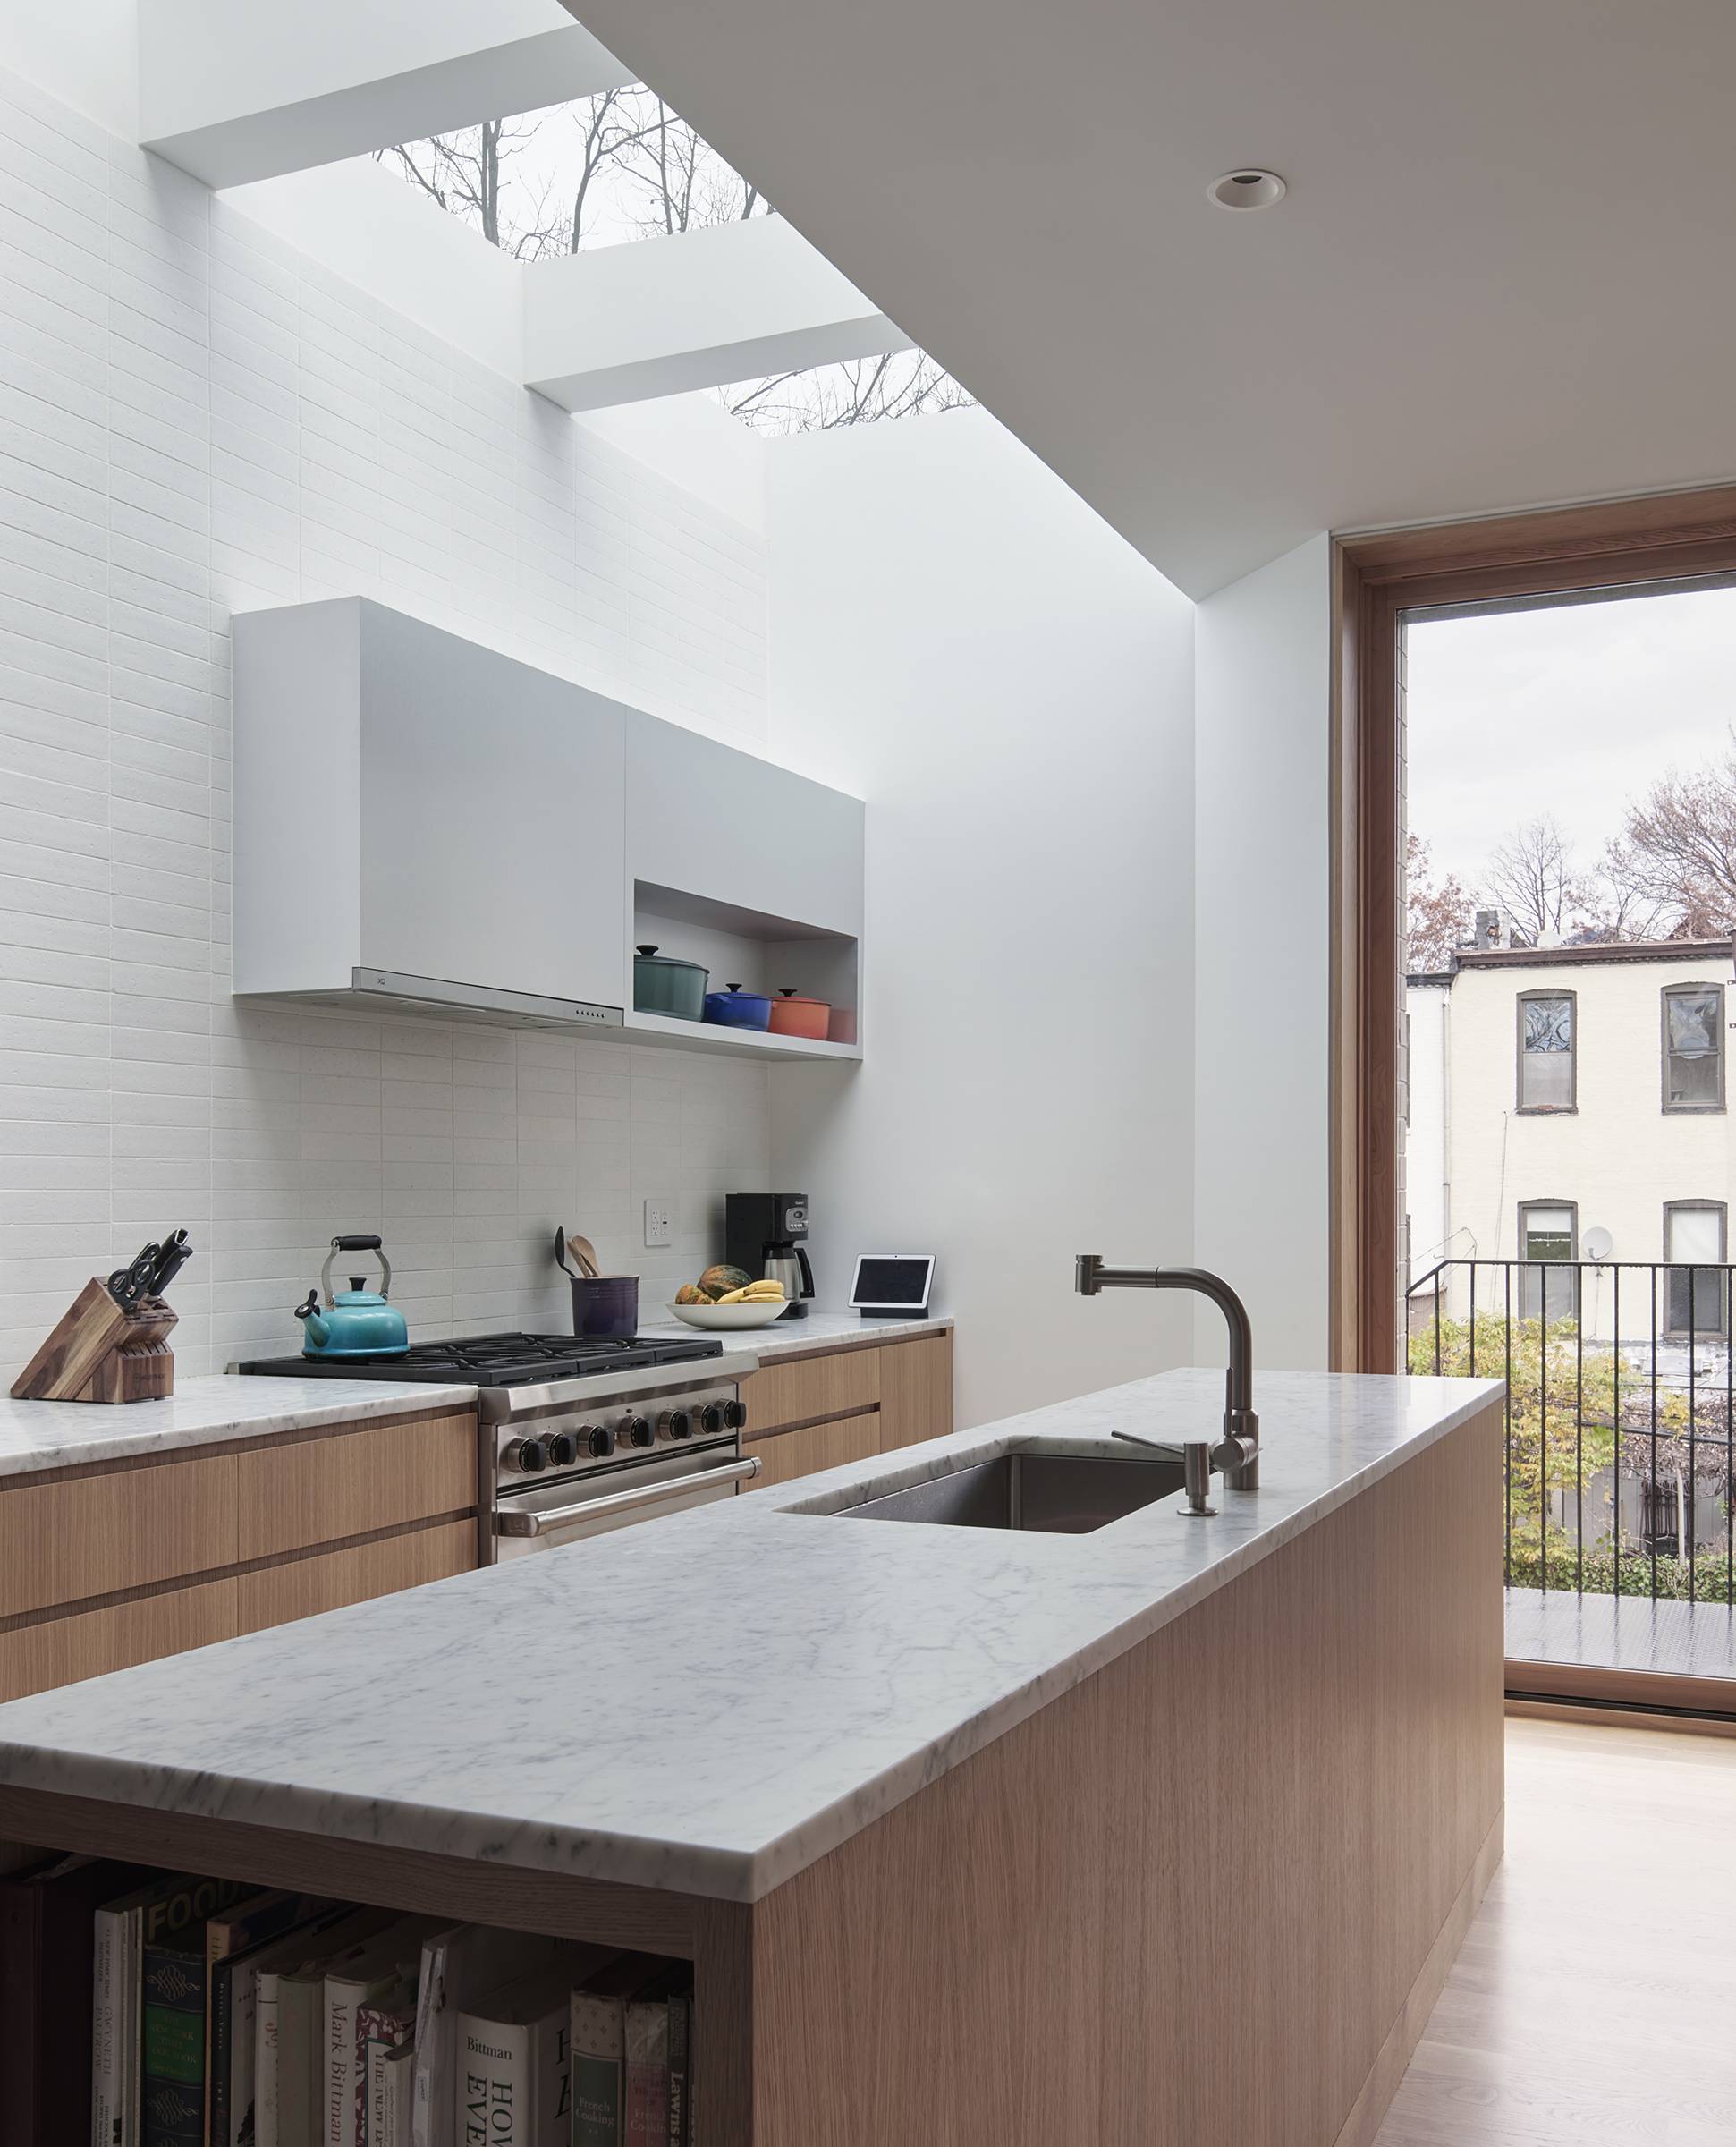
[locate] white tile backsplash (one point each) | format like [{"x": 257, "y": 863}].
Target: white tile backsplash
[{"x": 196, "y": 419}]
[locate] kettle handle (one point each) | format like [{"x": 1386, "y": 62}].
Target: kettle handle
[{"x": 355, "y": 1244}]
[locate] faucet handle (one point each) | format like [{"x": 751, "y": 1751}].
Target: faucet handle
[{"x": 1238, "y": 1453}]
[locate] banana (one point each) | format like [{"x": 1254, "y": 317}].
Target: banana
[{"x": 756, "y": 1292}]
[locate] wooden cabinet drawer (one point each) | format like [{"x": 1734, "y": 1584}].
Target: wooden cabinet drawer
[
  {"x": 319, "y": 1490},
  {"x": 306, "y": 1586},
  {"x": 787, "y": 1454},
  {"x": 95, "y": 1535},
  {"x": 916, "y": 1390},
  {"x": 793, "y": 1394},
  {"x": 63, "y": 1649}
]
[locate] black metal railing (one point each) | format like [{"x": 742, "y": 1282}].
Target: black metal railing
[{"x": 1620, "y": 1405}]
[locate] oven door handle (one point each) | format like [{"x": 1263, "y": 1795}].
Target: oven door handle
[{"x": 625, "y": 1502}]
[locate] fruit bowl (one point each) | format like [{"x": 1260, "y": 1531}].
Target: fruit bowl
[{"x": 718, "y": 1318}]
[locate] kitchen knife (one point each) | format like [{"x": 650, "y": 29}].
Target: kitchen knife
[{"x": 172, "y": 1257}]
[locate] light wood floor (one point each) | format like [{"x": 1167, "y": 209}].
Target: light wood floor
[{"x": 1593, "y": 2001}]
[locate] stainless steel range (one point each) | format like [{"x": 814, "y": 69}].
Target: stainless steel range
[
  {"x": 579, "y": 1436},
  {"x": 578, "y": 1457}
]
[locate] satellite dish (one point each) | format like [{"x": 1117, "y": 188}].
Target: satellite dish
[{"x": 1598, "y": 1245}]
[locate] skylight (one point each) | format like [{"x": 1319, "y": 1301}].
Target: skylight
[{"x": 619, "y": 166}]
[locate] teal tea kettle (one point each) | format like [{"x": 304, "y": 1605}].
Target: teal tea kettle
[{"x": 356, "y": 1322}]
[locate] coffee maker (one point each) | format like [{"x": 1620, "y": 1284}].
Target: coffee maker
[{"x": 764, "y": 1232}]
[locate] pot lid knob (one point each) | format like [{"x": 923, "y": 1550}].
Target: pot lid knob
[
  {"x": 786, "y": 991},
  {"x": 645, "y": 950},
  {"x": 732, "y": 988}
]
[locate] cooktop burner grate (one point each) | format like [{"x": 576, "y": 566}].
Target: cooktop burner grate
[{"x": 509, "y": 1359}]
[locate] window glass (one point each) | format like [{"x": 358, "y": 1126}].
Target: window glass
[
  {"x": 1693, "y": 1047},
  {"x": 1697, "y": 1300},
  {"x": 1545, "y": 1053},
  {"x": 1693, "y": 1233},
  {"x": 1548, "y": 1234}
]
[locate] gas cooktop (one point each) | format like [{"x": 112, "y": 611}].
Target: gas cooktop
[{"x": 493, "y": 1360}]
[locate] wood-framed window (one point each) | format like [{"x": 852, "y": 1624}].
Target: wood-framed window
[
  {"x": 1693, "y": 1047},
  {"x": 1697, "y": 1284},
  {"x": 1379, "y": 579},
  {"x": 1548, "y": 1051},
  {"x": 1549, "y": 1253}
]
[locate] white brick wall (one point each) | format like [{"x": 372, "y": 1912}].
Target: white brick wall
[{"x": 196, "y": 419}]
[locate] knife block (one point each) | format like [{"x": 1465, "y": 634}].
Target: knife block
[{"x": 101, "y": 1352}]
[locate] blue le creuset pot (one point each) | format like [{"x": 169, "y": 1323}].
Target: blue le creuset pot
[{"x": 739, "y": 1009}]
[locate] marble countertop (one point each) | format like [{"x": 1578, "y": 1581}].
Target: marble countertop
[
  {"x": 819, "y": 1330},
  {"x": 200, "y": 1412},
  {"x": 54, "y": 1435},
  {"x": 806, "y": 1673}
]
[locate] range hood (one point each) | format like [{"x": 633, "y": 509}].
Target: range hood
[{"x": 390, "y": 993}]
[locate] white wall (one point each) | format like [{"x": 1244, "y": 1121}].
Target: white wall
[
  {"x": 1262, "y": 950},
  {"x": 958, "y": 639},
  {"x": 195, "y": 418}
]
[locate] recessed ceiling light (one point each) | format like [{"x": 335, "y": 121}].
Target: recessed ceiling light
[{"x": 1247, "y": 189}]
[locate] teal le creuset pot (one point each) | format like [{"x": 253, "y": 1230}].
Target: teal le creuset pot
[
  {"x": 663, "y": 985},
  {"x": 356, "y": 1322}
]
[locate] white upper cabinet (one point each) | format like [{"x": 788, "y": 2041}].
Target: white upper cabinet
[
  {"x": 732, "y": 829},
  {"x": 421, "y": 821},
  {"x": 409, "y": 803}
]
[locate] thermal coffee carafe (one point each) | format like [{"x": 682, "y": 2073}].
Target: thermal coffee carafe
[{"x": 764, "y": 1233}]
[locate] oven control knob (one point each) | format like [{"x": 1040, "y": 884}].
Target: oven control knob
[
  {"x": 735, "y": 1415},
  {"x": 675, "y": 1423},
  {"x": 526, "y": 1457},
  {"x": 636, "y": 1431},
  {"x": 599, "y": 1440},
  {"x": 562, "y": 1449},
  {"x": 711, "y": 1418}
]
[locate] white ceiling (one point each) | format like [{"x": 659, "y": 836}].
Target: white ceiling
[{"x": 1506, "y": 273}]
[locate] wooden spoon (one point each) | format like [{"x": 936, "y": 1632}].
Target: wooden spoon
[{"x": 585, "y": 1253}]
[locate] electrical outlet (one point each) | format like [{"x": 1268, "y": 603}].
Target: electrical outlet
[{"x": 657, "y": 1222}]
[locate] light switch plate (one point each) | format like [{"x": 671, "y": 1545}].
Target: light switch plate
[{"x": 657, "y": 1222}]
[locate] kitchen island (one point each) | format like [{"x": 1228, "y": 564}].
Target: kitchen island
[{"x": 1166, "y": 1831}]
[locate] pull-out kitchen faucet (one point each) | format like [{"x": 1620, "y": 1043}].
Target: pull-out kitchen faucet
[{"x": 1238, "y": 1453}]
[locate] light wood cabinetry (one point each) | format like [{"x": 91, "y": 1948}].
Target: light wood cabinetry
[
  {"x": 916, "y": 1391},
  {"x": 820, "y": 1411},
  {"x": 92, "y": 1535},
  {"x": 301, "y": 1587},
  {"x": 321, "y": 1489},
  {"x": 60, "y": 1651},
  {"x": 799, "y": 1393},
  {"x": 101, "y": 1569},
  {"x": 788, "y": 1454}
]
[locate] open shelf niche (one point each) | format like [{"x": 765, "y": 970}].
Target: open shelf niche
[{"x": 760, "y": 953}]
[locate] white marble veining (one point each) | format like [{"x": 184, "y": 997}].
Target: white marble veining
[
  {"x": 752, "y": 1682},
  {"x": 818, "y": 1331},
  {"x": 55, "y": 1435}
]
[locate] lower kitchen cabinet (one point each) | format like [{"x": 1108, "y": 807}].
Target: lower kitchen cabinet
[
  {"x": 303, "y": 1587},
  {"x": 61, "y": 1650},
  {"x": 916, "y": 1390},
  {"x": 785, "y": 1455},
  {"x": 823, "y": 1410},
  {"x": 103, "y": 1568}
]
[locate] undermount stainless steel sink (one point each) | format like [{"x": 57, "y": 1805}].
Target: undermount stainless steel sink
[{"x": 1059, "y": 1494}]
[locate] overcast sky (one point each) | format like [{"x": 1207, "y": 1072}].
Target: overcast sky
[{"x": 1570, "y": 711}]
